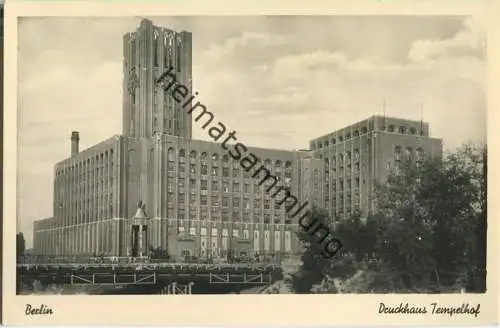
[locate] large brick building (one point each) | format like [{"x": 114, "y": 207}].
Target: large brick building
[{"x": 199, "y": 200}]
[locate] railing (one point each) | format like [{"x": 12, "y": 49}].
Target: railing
[
  {"x": 148, "y": 266},
  {"x": 260, "y": 258}
]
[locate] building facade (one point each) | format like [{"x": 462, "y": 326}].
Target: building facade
[
  {"x": 198, "y": 199},
  {"x": 353, "y": 159}
]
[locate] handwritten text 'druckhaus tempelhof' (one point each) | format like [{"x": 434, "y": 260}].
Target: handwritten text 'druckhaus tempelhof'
[{"x": 434, "y": 308}]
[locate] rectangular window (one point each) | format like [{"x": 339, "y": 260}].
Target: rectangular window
[
  {"x": 204, "y": 169},
  {"x": 236, "y": 202}
]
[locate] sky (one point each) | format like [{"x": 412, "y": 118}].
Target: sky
[{"x": 279, "y": 81}]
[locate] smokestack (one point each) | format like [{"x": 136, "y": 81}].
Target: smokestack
[{"x": 75, "y": 140}]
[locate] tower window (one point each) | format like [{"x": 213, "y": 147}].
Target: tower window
[
  {"x": 178, "y": 56},
  {"x": 155, "y": 48},
  {"x": 165, "y": 42},
  {"x": 132, "y": 52}
]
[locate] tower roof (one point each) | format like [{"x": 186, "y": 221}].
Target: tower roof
[{"x": 140, "y": 213}]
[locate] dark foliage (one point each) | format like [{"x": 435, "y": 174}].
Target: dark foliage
[
  {"x": 159, "y": 254},
  {"x": 20, "y": 244},
  {"x": 428, "y": 235}
]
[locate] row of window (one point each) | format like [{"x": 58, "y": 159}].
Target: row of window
[
  {"x": 340, "y": 183},
  {"x": 215, "y": 157},
  {"x": 216, "y": 201},
  {"x": 354, "y": 156},
  {"x": 398, "y": 151},
  {"x": 245, "y": 234},
  {"x": 167, "y": 44},
  {"x": 56, "y": 242},
  {"x": 326, "y": 143},
  {"x": 224, "y": 216},
  {"x": 96, "y": 164},
  {"x": 75, "y": 190},
  {"x": 340, "y": 200},
  {"x": 364, "y": 130},
  {"x": 403, "y": 130},
  {"x": 223, "y": 185},
  {"x": 216, "y": 171}
]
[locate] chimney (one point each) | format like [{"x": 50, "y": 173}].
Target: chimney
[{"x": 75, "y": 139}]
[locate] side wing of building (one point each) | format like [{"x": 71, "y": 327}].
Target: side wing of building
[
  {"x": 354, "y": 159},
  {"x": 88, "y": 203}
]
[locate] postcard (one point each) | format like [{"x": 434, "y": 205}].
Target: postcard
[{"x": 214, "y": 163}]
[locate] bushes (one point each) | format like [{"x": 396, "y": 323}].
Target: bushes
[{"x": 429, "y": 234}]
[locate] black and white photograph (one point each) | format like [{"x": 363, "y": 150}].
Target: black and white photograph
[{"x": 251, "y": 155}]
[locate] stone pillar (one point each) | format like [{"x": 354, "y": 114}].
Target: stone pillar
[
  {"x": 139, "y": 233},
  {"x": 140, "y": 244},
  {"x": 80, "y": 239},
  {"x": 144, "y": 244},
  {"x": 98, "y": 233}
]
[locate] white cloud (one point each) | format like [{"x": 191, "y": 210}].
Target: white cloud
[
  {"x": 472, "y": 38},
  {"x": 246, "y": 39}
]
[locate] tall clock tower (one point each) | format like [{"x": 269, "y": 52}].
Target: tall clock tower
[{"x": 147, "y": 109}]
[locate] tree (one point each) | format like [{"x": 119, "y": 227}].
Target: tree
[
  {"x": 158, "y": 253},
  {"x": 20, "y": 244},
  {"x": 314, "y": 265},
  {"x": 427, "y": 235},
  {"x": 430, "y": 212},
  {"x": 476, "y": 277}
]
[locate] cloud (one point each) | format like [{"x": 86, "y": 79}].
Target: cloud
[
  {"x": 245, "y": 41},
  {"x": 471, "y": 40}
]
